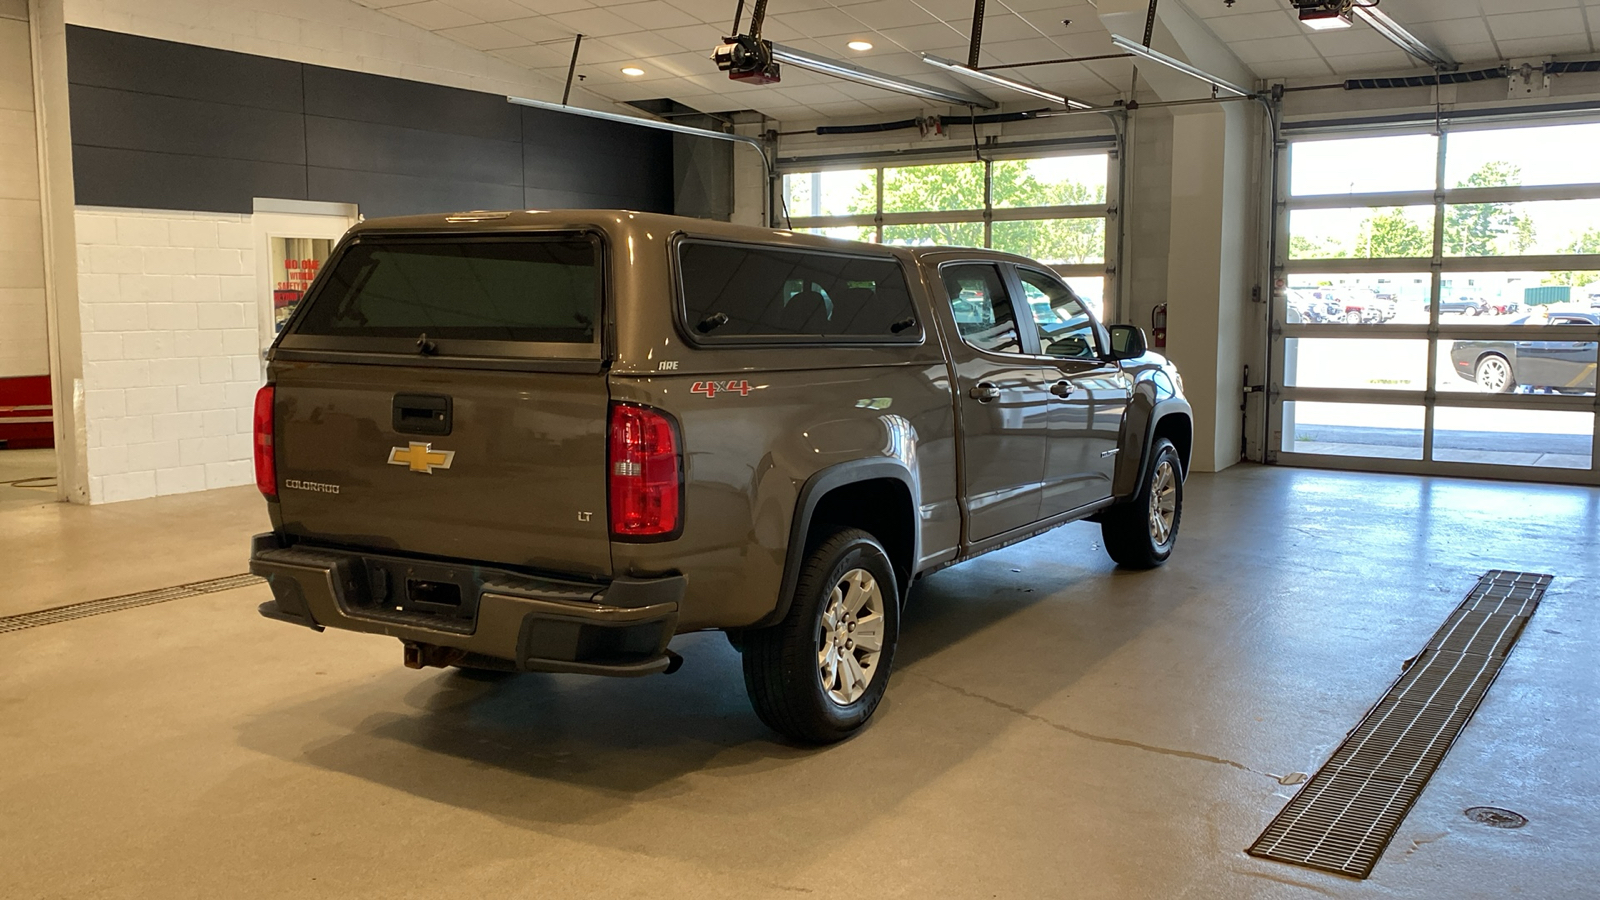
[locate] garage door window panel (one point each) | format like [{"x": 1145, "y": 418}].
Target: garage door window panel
[
  {"x": 1361, "y": 298},
  {"x": 1054, "y": 241},
  {"x": 1538, "y": 228},
  {"x": 1366, "y": 430},
  {"x": 1361, "y": 364},
  {"x": 1546, "y": 439},
  {"x": 1050, "y": 181},
  {"x": 1543, "y": 361},
  {"x": 915, "y": 189},
  {"x": 1362, "y": 232},
  {"x": 835, "y": 193},
  {"x": 1543, "y": 155},
  {"x": 1363, "y": 165}
]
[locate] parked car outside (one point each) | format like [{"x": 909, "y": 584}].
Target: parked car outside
[
  {"x": 1500, "y": 367},
  {"x": 1464, "y": 304},
  {"x": 1366, "y": 307}
]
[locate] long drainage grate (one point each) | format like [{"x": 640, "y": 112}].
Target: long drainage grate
[
  {"x": 126, "y": 601},
  {"x": 1344, "y": 817}
]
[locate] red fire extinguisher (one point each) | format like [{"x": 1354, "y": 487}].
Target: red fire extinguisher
[{"x": 1158, "y": 326}]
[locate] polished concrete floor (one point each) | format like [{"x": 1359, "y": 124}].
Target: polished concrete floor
[{"x": 1056, "y": 728}]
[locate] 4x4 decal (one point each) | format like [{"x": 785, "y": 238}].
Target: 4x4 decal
[{"x": 712, "y": 388}]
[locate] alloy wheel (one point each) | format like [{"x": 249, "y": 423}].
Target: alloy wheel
[
  {"x": 850, "y": 637},
  {"x": 1163, "y": 502}
]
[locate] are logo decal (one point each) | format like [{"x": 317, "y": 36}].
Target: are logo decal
[{"x": 712, "y": 388}]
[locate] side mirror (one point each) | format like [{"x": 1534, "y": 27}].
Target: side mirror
[{"x": 1127, "y": 342}]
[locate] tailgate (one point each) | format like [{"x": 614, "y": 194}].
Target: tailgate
[
  {"x": 518, "y": 480},
  {"x": 445, "y": 394}
]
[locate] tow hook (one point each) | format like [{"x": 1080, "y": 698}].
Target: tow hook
[
  {"x": 674, "y": 663},
  {"x": 421, "y": 656}
]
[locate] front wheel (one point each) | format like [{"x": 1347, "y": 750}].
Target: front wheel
[
  {"x": 1352, "y": 317},
  {"x": 1140, "y": 533},
  {"x": 818, "y": 675}
]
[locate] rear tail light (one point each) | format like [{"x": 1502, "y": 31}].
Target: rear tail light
[
  {"x": 645, "y": 470},
  {"x": 266, "y": 466}
]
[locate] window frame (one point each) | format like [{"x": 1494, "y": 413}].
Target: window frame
[
  {"x": 1102, "y": 339},
  {"x": 290, "y": 342},
  {"x": 1000, "y": 267},
  {"x": 915, "y": 336}
]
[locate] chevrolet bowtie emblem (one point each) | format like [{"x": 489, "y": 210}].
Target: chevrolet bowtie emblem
[{"x": 421, "y": 457}]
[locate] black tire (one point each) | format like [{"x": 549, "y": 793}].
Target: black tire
[
  {"x": 1127, "y": 527},
  {"x": 781, "y": 669}
]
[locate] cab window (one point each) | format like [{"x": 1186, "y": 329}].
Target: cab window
[
  {"x": 982, "y": 308},
  {"x": 1065, "y": 329}
]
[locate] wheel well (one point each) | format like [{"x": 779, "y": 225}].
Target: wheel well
[
  {"x": 1180, "y": 431},
  {"x": 881, "y": 507}
]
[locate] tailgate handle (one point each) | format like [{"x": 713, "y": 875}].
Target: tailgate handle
[{"x": 421, "y": 414}]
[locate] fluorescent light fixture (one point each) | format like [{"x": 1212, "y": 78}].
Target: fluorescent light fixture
[
  {"x": 1324, "y": 19},
  {"x": 632, "y": 71},
  {"x": 1405, "y": 40},
  {"x": 861, "y": 46},
  {"x": 885, "y": 81},
  {"x": 950, "y": 65},
  {"x": 1138, "y": 49}
]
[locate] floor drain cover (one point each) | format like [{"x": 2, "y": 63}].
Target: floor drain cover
[
  {"x": 1344, "y": 817},
  {"x": 1495, "y": 817},
  {"x": 126, "y": 601}
]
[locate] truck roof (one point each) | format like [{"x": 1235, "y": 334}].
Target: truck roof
[{"x": 626, "y": 222}]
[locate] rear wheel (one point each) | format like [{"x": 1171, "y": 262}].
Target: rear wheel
[
  {"x": 1352, "y": 317},
  {"x": 1140, "y": 533},
  {"x": 1493, "y": 374},
  {"x": 818, "y": 675}
]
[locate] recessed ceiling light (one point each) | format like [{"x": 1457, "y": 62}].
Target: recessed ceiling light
[
  {"x": 632, "y": 71},
  {"x": 859, "y": 45}
]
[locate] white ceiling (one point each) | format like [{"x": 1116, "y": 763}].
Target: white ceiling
[{"x": 671, "y": 41}]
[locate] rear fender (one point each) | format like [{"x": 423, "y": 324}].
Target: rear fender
[{"x": 817, "y": 487}]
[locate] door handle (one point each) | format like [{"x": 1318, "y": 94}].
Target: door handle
[
  {"x": 984, "y": 392},
  {"x": 1063, "y": 389}
]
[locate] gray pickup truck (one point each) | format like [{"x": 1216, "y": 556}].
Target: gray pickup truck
[{"x": 551, "y": 441}]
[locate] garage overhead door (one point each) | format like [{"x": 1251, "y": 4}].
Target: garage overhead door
[{"x": 1438, "y": 299}]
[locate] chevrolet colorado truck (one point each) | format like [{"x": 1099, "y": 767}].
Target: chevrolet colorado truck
[{"x": 551, "y": 441}]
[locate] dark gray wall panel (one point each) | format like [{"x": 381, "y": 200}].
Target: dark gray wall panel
[
  {"x": 103, "y": 117},
  {"x": 359, "y": 97},
  {"x": 378, "y": 194},
  {"x": 343, "y": 144},
  {"x": 618, "y": 161},
  {"x": 148, "y": 66},
  {"x": 107, "y": 176},
  {"x": 172, "y": 126}
]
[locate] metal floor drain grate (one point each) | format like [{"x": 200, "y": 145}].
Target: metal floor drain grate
[
  {"x": 126, "y": 601},
  {"x": 1344, "y": 817}
]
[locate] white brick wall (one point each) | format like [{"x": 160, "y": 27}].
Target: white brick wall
[
  {"x": 24, "y": 347},
  {"x": 170, "y": 350}
]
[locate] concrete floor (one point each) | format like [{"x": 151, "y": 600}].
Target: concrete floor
[{"x": 1055, "y": 728}]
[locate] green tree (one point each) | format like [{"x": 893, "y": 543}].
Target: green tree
[
  {"x": 1589, "y": 243},
  {"x": 1488, "y": 229},
  {"x": 1302, "y": 247},
  {"x": 1390, "y": 234}
]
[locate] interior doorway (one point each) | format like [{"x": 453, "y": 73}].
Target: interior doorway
[{"x": 293, "y": 238}]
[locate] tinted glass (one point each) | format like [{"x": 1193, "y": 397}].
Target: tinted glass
[
  {"x": 1065, "y": 329},
  {"x": 734, "y": 290},
  {"x": 538, "y": 290},
  {"x": 982, "y": 308}
]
